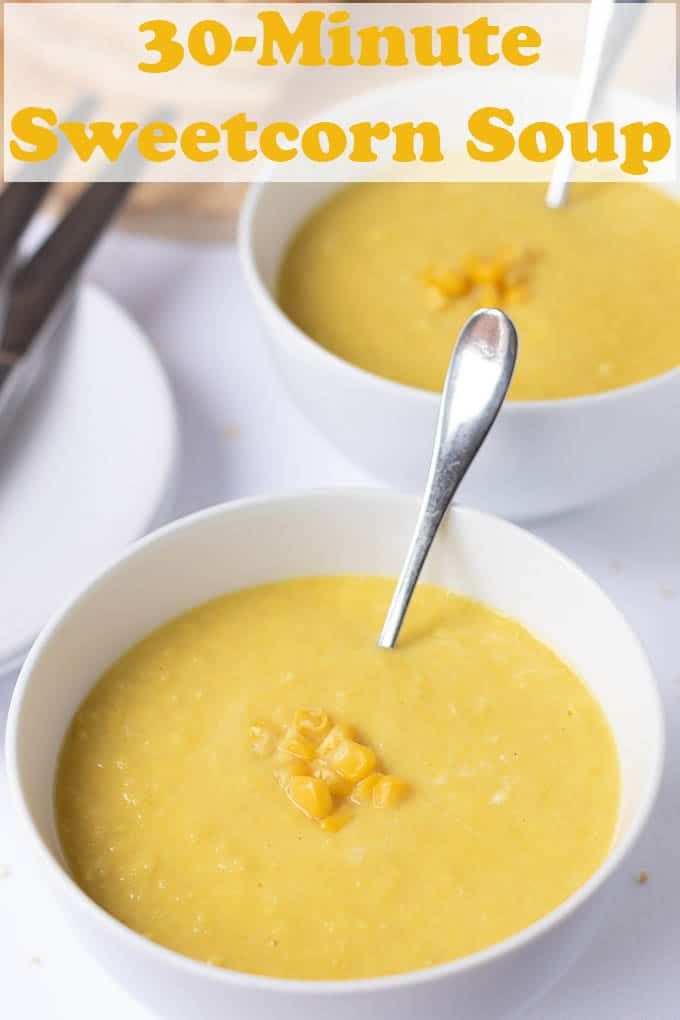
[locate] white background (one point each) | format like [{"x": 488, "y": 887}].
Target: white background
[{"x": 242, "y": 437}]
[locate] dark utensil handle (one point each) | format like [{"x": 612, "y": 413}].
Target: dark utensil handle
[
  {"x": 40, "y": 282},
  {"x": 18, "y": 202}
]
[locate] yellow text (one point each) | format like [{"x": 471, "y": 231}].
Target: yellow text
[
  {"x": 635, "y": 145},
  {"x": 36, "y": 130}
]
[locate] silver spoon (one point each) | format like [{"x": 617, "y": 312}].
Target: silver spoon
[
  {"x": 610, "y": 26},
  {"x": 479, "y": 375}
]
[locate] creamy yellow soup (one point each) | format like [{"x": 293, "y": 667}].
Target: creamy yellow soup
[
  {"x": 593, "y": 288},
  {"x": 477, "y": 782}
]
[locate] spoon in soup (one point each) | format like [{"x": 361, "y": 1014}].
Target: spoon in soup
[
  {"x": 477, "y": 381},
  {"x": 611, "y": 23}
]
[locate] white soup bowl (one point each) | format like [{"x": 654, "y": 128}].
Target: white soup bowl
[
  {"x": 542, "y": 457},
  {"x": 329, "y": 532}
]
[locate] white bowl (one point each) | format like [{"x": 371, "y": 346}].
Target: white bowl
[
  {"x": 542, "y": 457},
  {"x": 341, "y": 531}
]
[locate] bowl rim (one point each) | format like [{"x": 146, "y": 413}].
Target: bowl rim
[
  {"x": 164, "y": 498},
  {"x": 294, "y": 335},
  {"x": 80, "y": 901}
]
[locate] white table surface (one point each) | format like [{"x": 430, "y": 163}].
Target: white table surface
[{"x": 241, "y": 437}]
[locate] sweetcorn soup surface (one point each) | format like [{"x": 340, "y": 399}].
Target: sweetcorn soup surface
[
  {"x": 173, "y": 820},
  {"x": 374, "y": 276}
]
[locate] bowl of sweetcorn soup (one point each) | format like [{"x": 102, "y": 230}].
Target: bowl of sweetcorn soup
[
  {"x": 244, "y": 807},
  {"x": 362, "y": 289}
]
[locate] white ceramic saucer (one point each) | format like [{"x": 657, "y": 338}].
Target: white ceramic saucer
[{"x": 87, "y": 468}]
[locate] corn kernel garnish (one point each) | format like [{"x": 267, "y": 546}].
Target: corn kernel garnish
[
  {"x": 389, "y": 791},
  {"x": 337, "y": 734},
  {"x": 453, "y": 283},
  {"x": 312, "y": 723},
  {"x": 323, "y": 770},
  {"x": 363, "y": 791},
  {"x": 483, "y": 270},
  {"x": 311, "y": 795},
  {"x": 352, "y": 760},
  {"x": 338, "y": 786},
  {"x": 492, "y": 279},
  {"x": 447, "y": 283},
  {"x": 287, "y": 769},
  {"x": 298, "y": 746}
]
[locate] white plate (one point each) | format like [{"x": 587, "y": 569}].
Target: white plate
[{"x": 87, "y": 468}]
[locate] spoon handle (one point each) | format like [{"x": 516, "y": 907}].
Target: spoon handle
[
  {"x": 477, "y": 381},
  {"x": 610, "y": 25}
]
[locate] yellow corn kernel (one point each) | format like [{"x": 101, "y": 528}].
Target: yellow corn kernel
[
  {"x": 452, "y": 283},
  {"x": 287, "y": 769},
  {"x": 363, "y": 791},
  {"x": 352, "y": 760},
  {"x": 310, "y": 795},
  {"x": 339, "y": 733},
  {"x": 298, "y": 746},
  {"x": 262, "y": 739},
  {"x": 312, "y": 723},
  {"x": 389, "y": 791},
  {"x": 338, "y": 786},
  {"x": 516, "y": 295},
  {"x": 338, "y": 820},
  {"x": 483, "y": 270}
]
